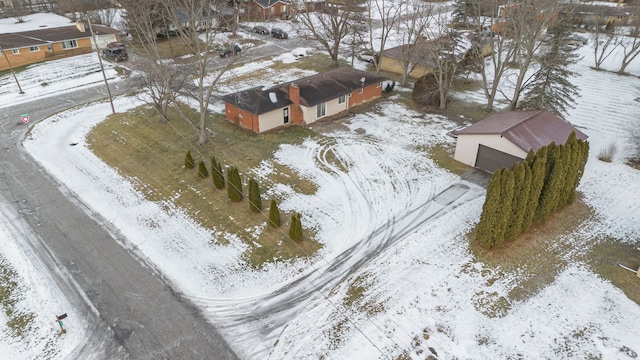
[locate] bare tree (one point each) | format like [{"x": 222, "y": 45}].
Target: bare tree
[
  {"x": 17, "y": 9},
  {"x": 411, "y": 29},
  {"x": 83, "y": 7},
  {"x": 389, "y": 13},
  {"x": 630, "y": 43},
  {"x": 443, "y": 50},
  {"x": 522, "y": 30},
  {"x": 162, "y": 79},
  {"x": 107, "y": 16},
  {"x": 328, "y": 27},
  {"x": 604, "y": 43},
  {"x": 197, "y": 28}
]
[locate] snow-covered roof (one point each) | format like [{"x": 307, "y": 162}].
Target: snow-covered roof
[{"x": 33, "y": 22}]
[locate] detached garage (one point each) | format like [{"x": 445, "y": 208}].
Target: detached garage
[{"x": 505, "y": 138}]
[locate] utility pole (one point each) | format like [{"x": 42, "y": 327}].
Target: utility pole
[
  {"x": 12, "y": 72},
  {"x": 104, "y": 75}
]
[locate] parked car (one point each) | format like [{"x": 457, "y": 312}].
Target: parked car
[
  {"x": 366, "y": 56},
  {"x": 279, "y": 33},
  {"x": 115, "y": 51},
  {"x": 228, "y": 51},
  {"x": 577, "y": 40},
  {"x": 260, "y": 30}
]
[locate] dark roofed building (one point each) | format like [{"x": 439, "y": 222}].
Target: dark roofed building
[
  {"x": 302, "y": 101},
  {"x": 268, "y": 9},
  {"x": 29, "y": 47},
  {"x": 506, "y": 137}
]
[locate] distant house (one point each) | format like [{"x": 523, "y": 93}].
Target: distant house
[
  {"x": 208, "y": 19},
  {"x": 397, "y": 58},
  {"x": 587, "y": 15},
  {"x": 506, "y": 137},
  {"x": 303, "y": 101},
  {"x": 419, "y": 58},
  {"x": 29, "y": 47},
  {"x": 268, "y": 9}
]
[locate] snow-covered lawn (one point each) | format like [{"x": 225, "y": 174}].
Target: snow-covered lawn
[{"x": 389, "y": 236}]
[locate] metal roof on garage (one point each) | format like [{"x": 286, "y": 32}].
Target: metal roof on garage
[{"x": 529, "y": 130}]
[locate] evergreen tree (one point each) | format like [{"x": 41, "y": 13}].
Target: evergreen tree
[
  {"x": 571, "y": 168},
  {"x": 295, "y": 229},
  {"x": 520, "y": 195},
  {"x": 504, "y": 211},
  {"x": 551, "y": 87},
  {"x": 538, "y": 174},
  {"x": 465, "y": 14},
  {"x": 583, "y": 156},
  {"x": 527, "y": 185},
  {"x": 188, "y": 160},
  {"x": 486, "y": 233},
  {"x": 202, "y": 170},
  {"x": 530, "y": 157},
  {"x": 234, "y": 188},
  {"x": 216, "y": 174},
  {"x": 255, "y": 200},
  {"x": 552, "y": 188},
  {"x": 274, "y": 214}
]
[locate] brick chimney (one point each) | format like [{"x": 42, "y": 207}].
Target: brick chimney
[
  {"x": 297, "y": 117},
  {"x": 294, "y": 93}
]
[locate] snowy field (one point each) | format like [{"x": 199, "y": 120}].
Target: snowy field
[{"x": 394, "y": 224}]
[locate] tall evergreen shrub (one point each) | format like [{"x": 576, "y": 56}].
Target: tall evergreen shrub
[
  {"x": 274, "y": 214},
  {"x": 255, "y": 200},
  {"x": 295, "y": 228},
  {"x": 202, "y": 170},
  {"x": 234, "y": 184},
  {"x": 188, "y": 161},
  {"x": 216, "y": 174}
]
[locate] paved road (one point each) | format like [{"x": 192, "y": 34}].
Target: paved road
[{"x": 133, "y": 311}]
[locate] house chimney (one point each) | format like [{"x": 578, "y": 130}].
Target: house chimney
[
  {"x": 80, "y": 26},
  {"x": 297, "y": 117},
  {"x": 294, "y": 93}
]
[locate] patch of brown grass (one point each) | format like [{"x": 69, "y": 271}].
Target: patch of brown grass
[
  {"x": 604, "y": 258},
  {"x": 151, "y": 153},
  {"x": 538, "y": 255},
  {"x": 442, "y": 155}
]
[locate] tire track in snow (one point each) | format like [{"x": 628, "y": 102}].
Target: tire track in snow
[{"x": 382, "y": 220}]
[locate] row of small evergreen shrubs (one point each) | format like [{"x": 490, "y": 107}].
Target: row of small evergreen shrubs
[
  {"x": 235, "y": 194},
  {"x": 531, "y": 191}
]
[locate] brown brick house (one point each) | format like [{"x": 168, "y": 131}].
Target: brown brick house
[
  {"x": 268, "y": 9},
  {"x": 29, "y": 47},
  {"x": 303, "y": 101}
]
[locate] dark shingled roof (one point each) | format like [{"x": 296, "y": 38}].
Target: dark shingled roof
[
  {"x": 314, "y": 90},
  {"x": 258, "y": 101},
  {"x": 526, "y": 129},
  {"x": 50, "y": 35}
]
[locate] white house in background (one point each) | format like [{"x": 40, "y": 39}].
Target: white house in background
[{"x": 506, "y": 137}]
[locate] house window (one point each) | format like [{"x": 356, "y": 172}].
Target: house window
[
  {"x": 240, "y": 115},
  {"x": 379, "y": 84},
  {"x": 272, "y": 10},
  {"x": 342, "y": 99},
  {"x": 34, "y": 48},
  {"x": 49, "y": 47},
  {"x": 16, "y": 51},
  {"x": 283, "y": 9},
  {"x": 321, "y": 110},
  {"x": 69, "y": 44},
  {"x": 360, "y": 91}
]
